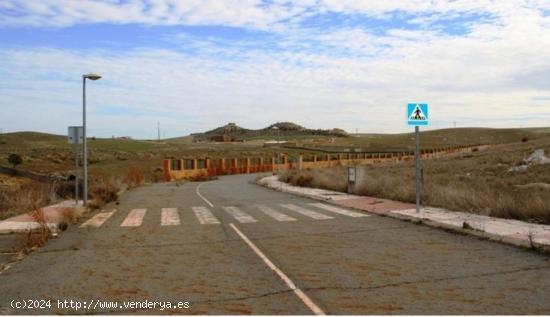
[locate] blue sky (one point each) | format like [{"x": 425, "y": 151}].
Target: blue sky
[{"x": 194, "y": 65}]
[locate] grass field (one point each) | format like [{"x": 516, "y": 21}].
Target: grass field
[{"x": 478, "y": 182}]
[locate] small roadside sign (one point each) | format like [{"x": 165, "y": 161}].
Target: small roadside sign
[
  {"x": 76, "y": 135},
  {"x": 351, "y": 174},
  {"x": 417, "y": 114}
]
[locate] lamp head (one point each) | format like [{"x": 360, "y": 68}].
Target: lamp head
[{"x": 92, "y": 76}]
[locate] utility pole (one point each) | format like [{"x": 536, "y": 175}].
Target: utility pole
[{"x": 158, "y": 130}]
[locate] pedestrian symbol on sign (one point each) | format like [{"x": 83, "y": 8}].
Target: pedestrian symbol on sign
[{"x": 417, "y": 114}]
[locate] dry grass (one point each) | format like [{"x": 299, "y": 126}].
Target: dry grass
[
  {"x": 133, "y": 178},
  {"x": 104, "y": 189},
  {"x": 38, "y": 237},
  {"x": 24, "y": 195},
  {"x": 477, "y": 182}
]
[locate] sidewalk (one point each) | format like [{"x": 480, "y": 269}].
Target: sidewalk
[
  {"x": 513, "y": 232},
  {"x": 53, "y": 215}
]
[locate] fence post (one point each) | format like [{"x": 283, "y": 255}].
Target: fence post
[{"x": 167, "y": 168}]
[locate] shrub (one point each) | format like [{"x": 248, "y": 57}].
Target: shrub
[
  {"x": 15, "y": 159},
  {"x": 38, "y": 237},
  {"x": 103, "y": 190},
  {"x": 525, "y": 139},
  {"x": 133, "y": 178}
]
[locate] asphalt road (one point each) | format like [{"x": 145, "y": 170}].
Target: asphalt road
[{"x": 277, "y": 258}]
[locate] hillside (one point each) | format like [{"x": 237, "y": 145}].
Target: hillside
[
  {"x": 233, "y": 132},
  {"x": 443, "y": 137}
]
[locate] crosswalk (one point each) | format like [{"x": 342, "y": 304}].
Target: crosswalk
[{"x": 205, "y": 216}]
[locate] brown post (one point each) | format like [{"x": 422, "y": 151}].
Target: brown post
[
  {"x": 167, "y": 169},
  {"x": 247, "y": 165},
  {"x": 194, "y": 164}
]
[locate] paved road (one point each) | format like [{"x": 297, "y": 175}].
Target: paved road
[{"x": 242, "y": 249}]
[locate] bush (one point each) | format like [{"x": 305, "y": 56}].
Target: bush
[
  {"x": 103, "y": 190},
  {"x": 133, "y": 178},
  {"x": 525, "y": 139},
  {"x": 15, "y": 159}
]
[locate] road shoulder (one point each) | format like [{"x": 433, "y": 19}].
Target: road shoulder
[{"x": 514, "y": 232}]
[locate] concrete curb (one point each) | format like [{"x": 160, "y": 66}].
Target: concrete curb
[
  {"x": 517, "y": 242},
  {"x": 52, "y": 214}
]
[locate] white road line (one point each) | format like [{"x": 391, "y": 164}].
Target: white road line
[
  {"x": 240, "y": 215},
  {"x": 169, "y": 217},
  {"x": 134, "y": 218},
  {"x": 339, "y": 210},
  {"x": 204, "y": 216},
  {"x": 279, "y": 216},
  {"x": 307, "y": 212},
  {"x": 305, "y": 299},
  {"x": 97, "y": 220},
  {"x": 201, "y": 196}
]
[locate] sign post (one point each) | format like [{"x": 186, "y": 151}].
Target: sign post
[
  {"x": 351, "y": 178},
  {"x": 417, "y": 115},
  {"x": 76, "y": 137}
]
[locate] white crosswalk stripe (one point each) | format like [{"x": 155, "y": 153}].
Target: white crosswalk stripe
[
  {"x": 169, "y": 217},
  {"x": 97, "y": 220},
  {"x": 240, "y": 215},
  {"x": 279, "y": 216},
  {"x": 306, "y": 212},
  {"x": 134, "y": 218},
  {"x": 204, "y": 216},
  {"x": 337, "y": 210}
]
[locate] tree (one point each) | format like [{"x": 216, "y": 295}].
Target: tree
[{"x": 15, "y": 159}]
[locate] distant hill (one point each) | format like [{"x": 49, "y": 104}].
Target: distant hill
[{"x": 233, "y": 132}]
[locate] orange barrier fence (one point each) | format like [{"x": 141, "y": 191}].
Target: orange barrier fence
[{"x": 175, "y": 169}]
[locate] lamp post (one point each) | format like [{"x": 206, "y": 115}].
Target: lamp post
[{"x": 90, "y": 76}]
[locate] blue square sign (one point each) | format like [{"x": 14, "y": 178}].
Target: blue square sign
[{"x": 417, "y": 114}]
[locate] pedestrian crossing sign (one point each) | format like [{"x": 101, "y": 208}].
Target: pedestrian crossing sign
[{"x": 417, "y": 114}]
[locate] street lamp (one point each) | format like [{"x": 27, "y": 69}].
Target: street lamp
[{"x": 90, "y": 76}]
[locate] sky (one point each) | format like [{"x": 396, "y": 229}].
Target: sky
[{"x": 195, "y": 65}]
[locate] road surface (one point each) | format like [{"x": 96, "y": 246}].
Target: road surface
[{"x": 231, "y": 247}]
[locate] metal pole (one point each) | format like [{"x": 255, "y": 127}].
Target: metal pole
[
  {"x": 85, "y": 148},
  {"x": 76, "y": 196},
  {"x": 417, "y": 159}
]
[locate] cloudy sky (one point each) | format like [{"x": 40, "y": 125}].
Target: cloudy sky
[{"x": 194, "y": 65}]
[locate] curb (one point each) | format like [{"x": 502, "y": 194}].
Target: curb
[
  {"x": 14, "y": 225},
  {"x": 516, "y": 242}
]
